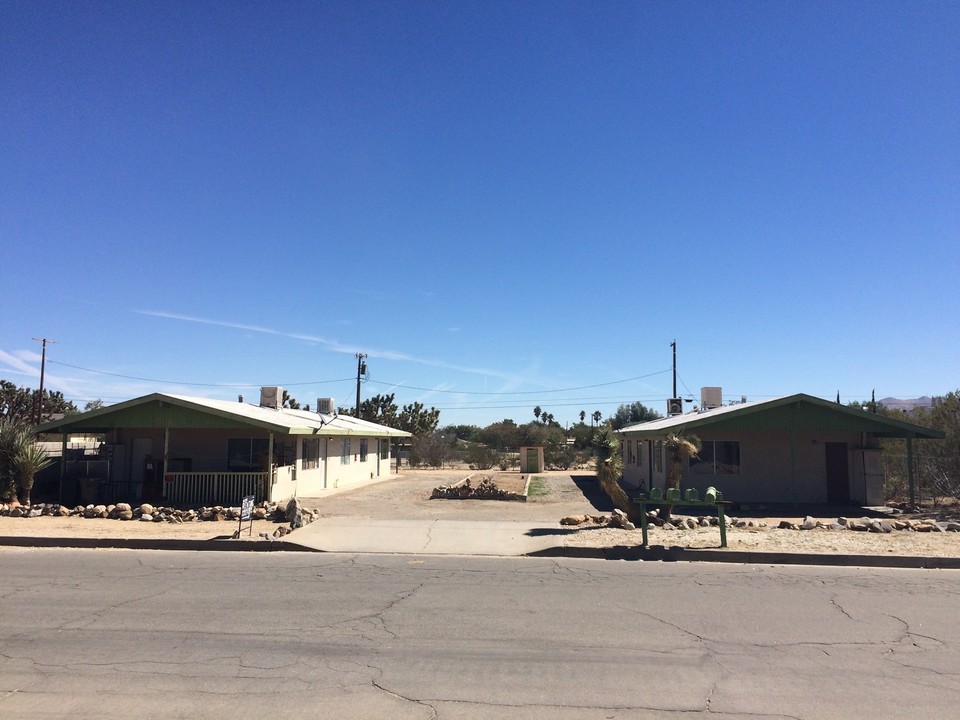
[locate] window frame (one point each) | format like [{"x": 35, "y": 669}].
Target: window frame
[
  {"x": 310, "y": 454},
  {"x": 709, "y": 462}
]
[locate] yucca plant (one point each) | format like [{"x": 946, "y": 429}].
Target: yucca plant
[
  {"x": 682, "y": 448},
  {"x": 28, "y": 462},
  {"x": 609, "y": 466},
  {"x": 13, "y": 438}
]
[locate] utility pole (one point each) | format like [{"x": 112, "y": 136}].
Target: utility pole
[
  {"x": 361, "y": 369},
  {"x": 43, "y": 365},
  {"x": 674, "y": 346}
]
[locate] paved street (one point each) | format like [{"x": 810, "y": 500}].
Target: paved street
[{"x": 118, "y": 634}]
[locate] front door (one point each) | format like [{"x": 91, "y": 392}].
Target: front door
[
  {"x": 838, "y": 472},
  {"x": 142, "y": 467}
]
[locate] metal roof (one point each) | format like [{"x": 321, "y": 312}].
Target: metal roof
[
  {"x": 791, "y": 412},
  {"x": 181, "y": 411}
]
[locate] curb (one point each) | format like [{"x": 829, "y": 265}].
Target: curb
[
  {"x": 217, "y": 544},
  {"x": 678, "y": 554},
  {"x": 654, "y": 553}
]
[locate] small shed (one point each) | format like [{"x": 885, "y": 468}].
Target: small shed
[{"x": 531, "y": 459}]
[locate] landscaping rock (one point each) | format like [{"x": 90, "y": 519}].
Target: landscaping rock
[{"x": 809, "y": 523}]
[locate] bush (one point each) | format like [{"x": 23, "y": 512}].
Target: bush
[{"x": 480, "y": 457}]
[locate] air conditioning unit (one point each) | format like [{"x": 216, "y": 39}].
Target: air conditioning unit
[
  {"x": 271, "y": 397},
  {"x": 326, "y": 406},
  {"x": 674, "y": 406},
  {"x": 711, "y": 397}
]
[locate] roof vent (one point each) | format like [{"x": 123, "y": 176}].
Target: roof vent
[
  {"x": 711, "y": 397},
  {"x": 271, "y": 397},
  {"x": 325, "y": 406}
]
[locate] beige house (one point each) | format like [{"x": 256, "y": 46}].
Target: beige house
[
  {"x": 190, "y": 451},
  {"x": 794, "y": 449}
]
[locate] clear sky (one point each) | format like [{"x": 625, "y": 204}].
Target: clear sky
[{"x": 504, "y": 204}]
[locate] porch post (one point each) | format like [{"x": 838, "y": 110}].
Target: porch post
[
  {"x": 326, "y": 460},
  {"x": 913, "y": 495},
  {"x": 166, "y": 459},
  {"x": 793, "y": 466},
  {"x": 269, "y": 483},
  {"x": 63, "y": 465}
]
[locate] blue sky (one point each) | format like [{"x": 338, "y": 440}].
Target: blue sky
[{"x": 503, "y": 204}]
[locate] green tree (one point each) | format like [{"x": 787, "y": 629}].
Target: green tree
[
  {"x": 597, "y": 417},
  {"x": 19, "y": 404},
  {"x": 503, "y": 435},
  {"x": 631, "y": 414},
  {"x": 417, "y": 420},
  {"x": 380, "y": 409},
  {"x": 469, "y": 433},
  {"x": 583, "y": 416},
  {"x": 289, "y": 401}
]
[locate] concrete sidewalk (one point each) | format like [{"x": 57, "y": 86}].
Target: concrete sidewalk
[{"x": 427, "y": 536}]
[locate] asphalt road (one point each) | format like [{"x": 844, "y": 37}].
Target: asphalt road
[{"x": 120, "y": 634}]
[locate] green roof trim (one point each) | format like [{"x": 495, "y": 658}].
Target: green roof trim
[
  {"x": 160, "y": 410},
  {"x": 800, "y": 412}
]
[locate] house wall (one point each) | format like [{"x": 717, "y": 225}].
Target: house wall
[
  {"x": 206, "y": 451},
  {"x": 766, "y": 473},
  {"x": 333, "y": 472}
]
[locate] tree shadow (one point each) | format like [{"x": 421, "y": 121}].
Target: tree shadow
[{"x": 593, "y": 493}]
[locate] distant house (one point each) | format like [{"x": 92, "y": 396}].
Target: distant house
[
  {"x": 189, "y": 450},
  {"x": 795, "y": 449}
]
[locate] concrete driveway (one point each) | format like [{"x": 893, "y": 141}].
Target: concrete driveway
[{"x": 398, "y": 516}]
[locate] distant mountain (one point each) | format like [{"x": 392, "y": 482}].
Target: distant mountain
[{"x": 906, "y": 404}]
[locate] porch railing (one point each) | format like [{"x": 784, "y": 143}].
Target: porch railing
[{"x": 213, "y": 488}]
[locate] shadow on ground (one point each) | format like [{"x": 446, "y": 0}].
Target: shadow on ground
[
  {"x": 789, "y": 510},
  {"x": 544, "y": 532},
  {"x": 590, "y": 488}
]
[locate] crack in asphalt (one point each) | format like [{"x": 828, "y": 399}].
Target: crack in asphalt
[
  {"x": 838, "y": 606},
  {"x": 433, "y": 711}
]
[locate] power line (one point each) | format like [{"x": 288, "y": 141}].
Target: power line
[
  {"x": 525, "y": 392},
  {"x": 193, "y": 384},
  {"x": 383, "y": 382}
]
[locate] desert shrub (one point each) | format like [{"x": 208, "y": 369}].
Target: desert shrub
[
  {"x": 480, "y": 457},
  {"x": 430, "y": 450},
  {"x": 559, "y": 458}
]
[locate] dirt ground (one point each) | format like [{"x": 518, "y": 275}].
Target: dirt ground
[{"x": 553, "y": 495}]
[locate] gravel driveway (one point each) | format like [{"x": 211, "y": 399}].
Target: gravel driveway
[{"x": 407, "y": 496}]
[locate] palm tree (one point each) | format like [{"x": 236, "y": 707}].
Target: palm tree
[
  {"x": 28, "y": 462},
  {"x": 537, "y": 412},
  {"x": 609, "y": 466},
  {"x": 583, "y": 416},
  {"x": 597, "y": 416},
  {"x": 682, "y": 448}
]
